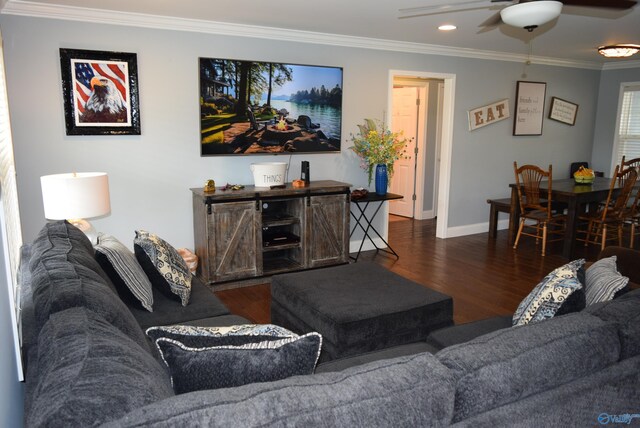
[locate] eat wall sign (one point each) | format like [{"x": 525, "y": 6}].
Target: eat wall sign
[{"x": 486, "y": 115}]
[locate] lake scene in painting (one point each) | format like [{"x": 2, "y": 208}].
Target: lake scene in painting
[{"x": 259, "y": 107}]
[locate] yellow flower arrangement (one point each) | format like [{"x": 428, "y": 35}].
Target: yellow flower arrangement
[{"x": 377, "y": 145}]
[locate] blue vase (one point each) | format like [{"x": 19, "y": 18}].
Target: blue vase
[{"x": 382, "y": 179}]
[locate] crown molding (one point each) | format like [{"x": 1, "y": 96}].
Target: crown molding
[
  {"x": 83, "y": 14},
  {"x": 621, "y": 65}
]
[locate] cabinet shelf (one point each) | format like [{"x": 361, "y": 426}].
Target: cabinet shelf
[
  {"x": 279, "y": 220},
  {"x": 278, "y": 264}
]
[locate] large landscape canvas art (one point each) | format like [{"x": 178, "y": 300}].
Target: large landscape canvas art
[{"x": 250, "y": 107}]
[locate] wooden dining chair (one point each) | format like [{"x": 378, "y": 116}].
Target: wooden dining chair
[
  {"x": 632, "y": 217},
  {"x": 610, "y": 214},
  {"x": 633, "y": 163},
  {"x": 538, "y": 219}
]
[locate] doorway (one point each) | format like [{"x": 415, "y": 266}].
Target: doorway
[
  {"x": 434, "y": 185},
  {"x": 417, "y": 113}
]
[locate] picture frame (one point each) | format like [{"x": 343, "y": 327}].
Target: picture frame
[
  {"x": 100, "y": 92},
  {"x": 563, "y": 111},
  {"x": 529, "y": 111},
  {"x": 250, "y": 107}
]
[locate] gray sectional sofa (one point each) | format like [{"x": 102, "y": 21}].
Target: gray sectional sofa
[{"x": 89, "y": 363}]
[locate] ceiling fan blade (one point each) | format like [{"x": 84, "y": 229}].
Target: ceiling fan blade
[
  {"x": 442, "y": 6},
  {"x": 610, "y": 4},
  {"x": 493, "y": 21}
]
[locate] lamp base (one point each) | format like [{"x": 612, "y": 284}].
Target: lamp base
[{"x": 87, "y": 228}]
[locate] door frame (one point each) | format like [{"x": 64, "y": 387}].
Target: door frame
[{"x": 446, "y": 143}]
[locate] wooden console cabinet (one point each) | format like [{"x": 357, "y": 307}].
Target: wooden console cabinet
[{"x": 253, "y": 232}]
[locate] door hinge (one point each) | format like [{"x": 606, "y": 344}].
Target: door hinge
[
  {"x": 415, "y": 150},
  {"x": 413, "y": 197},
  {"x": 417, "y": 101}
]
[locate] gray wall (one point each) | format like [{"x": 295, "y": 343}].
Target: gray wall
[
  {"x": 11, "y": 391},
  {"x": 150, "y": 174},
  {"x": 604, "y": 134}
]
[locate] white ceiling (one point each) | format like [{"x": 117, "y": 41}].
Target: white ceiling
[{"x": 574, "y": 36}]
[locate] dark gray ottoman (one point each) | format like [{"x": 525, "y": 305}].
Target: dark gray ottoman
[{"x": 357, "y": 308}]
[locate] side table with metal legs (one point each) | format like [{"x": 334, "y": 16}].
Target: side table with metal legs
[{"x": 362, "y": 217}]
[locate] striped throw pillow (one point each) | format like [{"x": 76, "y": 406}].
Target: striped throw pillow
[
  {"x": 603, "y": 280},
  {"x": 125, "y": 272}
]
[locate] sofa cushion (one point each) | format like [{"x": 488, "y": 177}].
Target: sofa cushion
[
  {"x": 605, "y": 398},
  {"x": 511, "y": 364},
  {"x": 59, "y": 284},
  {"x": 553, "y": 292},
  {"x": 461, "y": 333},
  {"x": 163, "y": 265},
  {"x": 625, "y": 311},
  {"x": 603, "y": 280},
  {"x": 166, "y": 311},
  {"x": 125, "y": 272},
  {"x": 90, "y": 372},
  {"x": 410, "y": 391},
  {"x": 222, "y": 357},
  {"x": 61, "y": 237}
]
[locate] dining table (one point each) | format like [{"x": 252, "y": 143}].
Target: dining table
[{"x": 576, "y": 196}]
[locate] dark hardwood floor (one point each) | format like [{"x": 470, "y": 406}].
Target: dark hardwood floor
[{"x": 485, "y": 277}]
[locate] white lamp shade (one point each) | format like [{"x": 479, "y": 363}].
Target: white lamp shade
[
  {"x": 75, "y": 195},
  {"x": 531, "y": 14}
]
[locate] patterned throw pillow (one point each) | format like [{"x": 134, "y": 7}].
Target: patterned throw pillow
[
  {"x": 549, "y": 295},
  {"x": 221, "y": 357},
  {"x": 125, "y": 272},
  {"x": 163, "y": 265},
  {"x": 603, "y": 280}
]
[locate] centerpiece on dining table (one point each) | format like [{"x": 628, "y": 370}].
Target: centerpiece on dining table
[
  {"x": 377, "y": 146},
  {"x": 584, "y": 175}
]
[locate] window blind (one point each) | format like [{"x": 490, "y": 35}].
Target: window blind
[
  {"x": 9, "y": 214},
  {"x": 629, "y": 123}
]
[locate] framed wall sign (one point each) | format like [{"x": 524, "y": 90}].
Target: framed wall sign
[
  {"x": 486, "y": 115},
  {"x": 563, "y": 111},
  {"x": 529, "y": 108},
  {"x": 100, "y": 91}
]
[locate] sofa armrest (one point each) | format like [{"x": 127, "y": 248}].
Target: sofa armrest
[{"x": 628, "y": 262}]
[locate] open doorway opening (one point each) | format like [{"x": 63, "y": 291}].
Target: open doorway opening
[
  {"x": 417, "y": 112},
  {"x": 426, "y": 192}
]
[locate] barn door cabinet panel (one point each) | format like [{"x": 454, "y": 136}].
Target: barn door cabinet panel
[
  {"x": 256, "y": 232},
  {"x": 226, "y": 245},
  {"x": 327, "y": 230}
]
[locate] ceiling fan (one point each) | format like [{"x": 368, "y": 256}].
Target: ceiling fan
[{"x": 527, "y": 14}]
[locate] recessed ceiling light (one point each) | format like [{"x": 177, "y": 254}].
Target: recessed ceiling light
[{"x": 447, "y": 27}]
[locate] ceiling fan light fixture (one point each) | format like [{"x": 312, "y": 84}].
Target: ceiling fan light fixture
[
  {"x": 619, "y": 50},
  {"x": 531, "y": 14}
]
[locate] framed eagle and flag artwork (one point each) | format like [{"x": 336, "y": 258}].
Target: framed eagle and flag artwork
[{"x": 100, "y": 91}]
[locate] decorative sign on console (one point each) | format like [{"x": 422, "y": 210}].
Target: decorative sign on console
[{"x": 486, "y": 115}]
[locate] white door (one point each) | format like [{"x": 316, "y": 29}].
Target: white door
[{"x": 405, "y": 118}]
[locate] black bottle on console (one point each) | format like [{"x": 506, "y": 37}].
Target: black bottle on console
[{"x": 304, "y": 176}]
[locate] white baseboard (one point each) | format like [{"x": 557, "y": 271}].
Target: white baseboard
[
  {"x": 472, "y": 229},
  {"x": 354, "y": 245},
  {"x": 427, "y": 215}
]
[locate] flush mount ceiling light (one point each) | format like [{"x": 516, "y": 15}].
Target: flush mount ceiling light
[
  {"x": 619, "y": 50},
  {"x": 531, "y": 14},
  {"x": 447, "y": 27}
]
